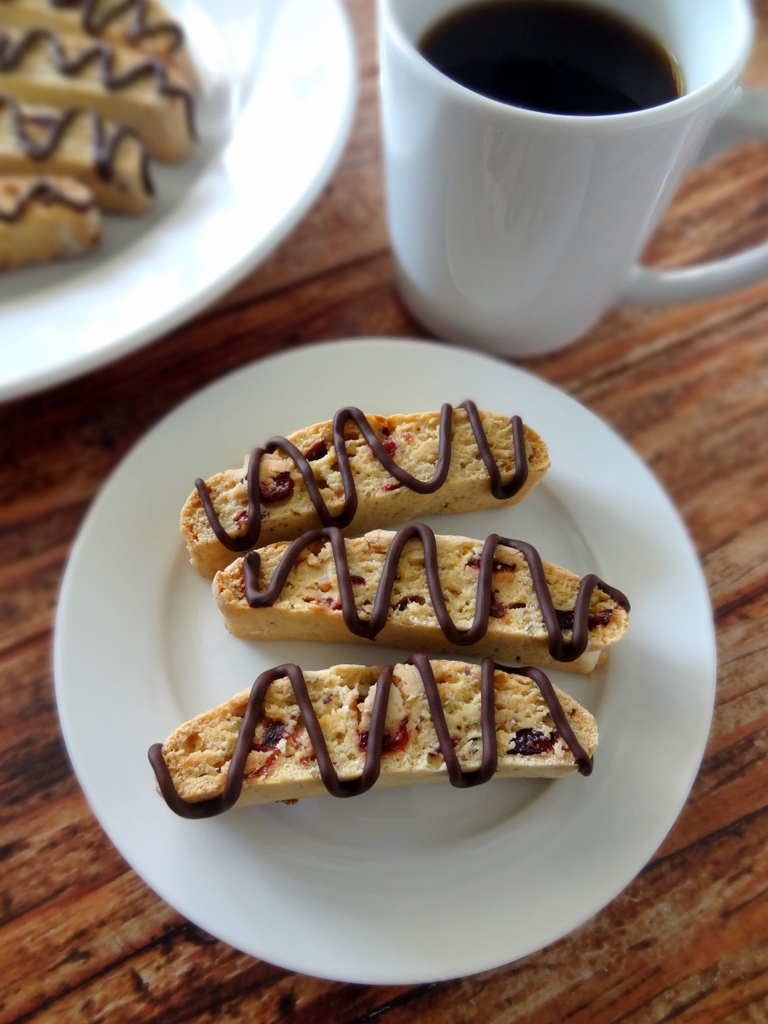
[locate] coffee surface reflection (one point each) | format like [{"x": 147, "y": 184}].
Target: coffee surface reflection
[{"x": 556, "y": 57}]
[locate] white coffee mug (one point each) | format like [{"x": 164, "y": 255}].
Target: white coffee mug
[{"x": 515, "y": 230}]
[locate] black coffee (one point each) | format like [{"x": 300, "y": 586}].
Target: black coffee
[{"x": 562, "y": 58}]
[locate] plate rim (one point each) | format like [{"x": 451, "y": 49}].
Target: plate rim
[
  {"x": 122, "y": 345},
  {"x": 367, "y": 977}
]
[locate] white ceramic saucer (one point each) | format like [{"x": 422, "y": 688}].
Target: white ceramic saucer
[
  {"x": 279, "y": 85},
  {"x": 397, "y": 886}
]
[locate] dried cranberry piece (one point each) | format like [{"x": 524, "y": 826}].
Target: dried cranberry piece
[
  {"x": 318, "y": 451},
  {"x": 601, "y": 618},
  {"x": 497, "y": 610},
  {"x": 531, "y": 741},
  {"x": 475, "y": 562},
  {"x": 390, "y": 743},
  {"x": 273, "y": 733},
  {"x": 333, "y": 604},
  {"x": 564, "y": 619},
  {"x": 413, "y": 599},
  {"x": 264, "y": 768},
  {"x": 240, "y": 516},
  {"x": 357, "y": 581},
  {"x": 283, "y": 489},
  {"x": 397, "y": 742},
  {"x": 392, "y": 487}
]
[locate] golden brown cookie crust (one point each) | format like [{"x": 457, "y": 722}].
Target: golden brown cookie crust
[
  {"x": 116, "y": 26},
  {"x": 160, "y": 118},
  {"x": 309, "y": 607},
  {"x": 45, "y": 218},
  {"x": 381, "y": 501},
  {"x": 282, "y": 765},
  {"x": 122, "y": 189}
]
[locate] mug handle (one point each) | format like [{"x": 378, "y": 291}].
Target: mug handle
[{"x": 745, "y": 119}]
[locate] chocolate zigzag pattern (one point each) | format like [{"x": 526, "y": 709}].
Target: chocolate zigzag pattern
[
  {"x": 370, "y": 628},
  {"x": 104, "y": 146},
  {"x": 99, "y": 53},
  {"x": 94, "y": 22},
  {"x": 250, "y": 538},
  {"x": 372, "y": 768},
  {"x": 48, "y": 193}
]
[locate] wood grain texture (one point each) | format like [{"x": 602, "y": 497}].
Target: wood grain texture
[{"x": 83, "y": 939}]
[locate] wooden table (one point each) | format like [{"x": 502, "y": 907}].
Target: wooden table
[{"x": 82, "y": 938}]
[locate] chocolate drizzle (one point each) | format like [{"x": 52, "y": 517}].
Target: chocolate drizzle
[
  {"x": 250, "y": 538},
  {"x": 100, "y": 53},
  {"x": 104, "y": 147},
  {"x": 372, "y": 768},
  {"x": 46, "y": 192},
  {"x": 581, "y": 757},
  {"x": 368, "y": 630},
  {"x": 490, "y": 757},
  {"x": 94, "y": 23}
]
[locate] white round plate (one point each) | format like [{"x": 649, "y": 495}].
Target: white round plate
[
  {"x": 279, "y": 82},
  {"x": 403, "y": 885}
]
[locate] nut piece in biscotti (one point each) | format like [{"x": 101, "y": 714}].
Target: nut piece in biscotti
[
  {"x": 110, "y": 160},
  {"x": 282, "y": 763},
  {"x": 39, "y": 66},
  {"x": 309, "y": 606},
  {"x": 412, "y": 440},
  {"x": 144, "y": 25},
  {"x": 44, "y": 219}
]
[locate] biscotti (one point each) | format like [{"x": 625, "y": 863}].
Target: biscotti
[
  {"x": 411, "y": 445},
  {"x": 534, "y": 730},
  {"x": 44, "y": 219},
  {"x": 40, "y": 66},
  {"x": 414, "y": 590},
  {"x": 110, "y": 160},
  {"x": 144, "y": 25}
]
